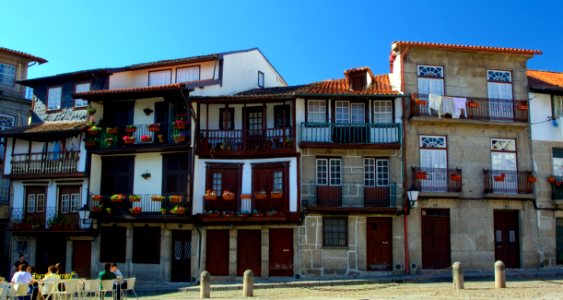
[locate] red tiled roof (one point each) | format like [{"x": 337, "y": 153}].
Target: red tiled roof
[
  {"x": 139, "y": 89},
  {"x": 469, "y": 48},
  {"x": 545, "y": 80},
  {"x": 43, "y": 128},
  {"x": 379, "y": 86},
  {"x": 22, "y": 54}
]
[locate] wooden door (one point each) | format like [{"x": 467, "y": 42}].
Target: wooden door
[
  {"x": 117, "y": 178},
  {"x": 268, "y": 180},
  {"x": 507, "y": 238},
  {"x": 176, "y": 175},
  {"x": 435, "y": 238},
  {"x": 181, "y": 255},
  {"x": 217, "y": 260},
  {"x": 219, "y": 180},
  {"x": 281, "y": 252},
  {"x": 69, "y": 203},
  {"x": 379, "y": 247},
  {"x": 119, "y": 115},
  {"x": 54, "y": 252},
  {"x": 81, "y": 258},
  {"x": 249, "y": 253},
  {"x": 34, "y": 208}
]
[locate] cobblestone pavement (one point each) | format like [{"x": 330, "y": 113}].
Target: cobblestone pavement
[{"x": 473, "y": 290}]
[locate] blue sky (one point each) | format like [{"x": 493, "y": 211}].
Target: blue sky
[{"x": 306, "y": 41}]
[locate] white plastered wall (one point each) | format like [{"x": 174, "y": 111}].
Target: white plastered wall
[
  {"x": 540, "y": 110},
  {"x": 215, "y": 108}
]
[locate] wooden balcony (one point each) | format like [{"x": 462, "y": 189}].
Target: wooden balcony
[
  {"x": 352, "y": 197},
  {"x": 45, "y": 165},
  {"x": 22, "y": 221},
  {"x": 246, "y": 142},
  {"x": 149, "y": 208},
  {"x": 356, "y": 135},
  {"x": 437, "y": 180},
  {"x": 480, "y": 109},
  {"x": 507, "y": 182}
]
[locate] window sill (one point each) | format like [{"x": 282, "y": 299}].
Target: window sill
[
  {"x": 80, "y": 108},
  {"x": 51, "y": 111},
  {"x": 335, "y": 247}
]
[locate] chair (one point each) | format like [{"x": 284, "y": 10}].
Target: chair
[
  {"x": 19, "y": 290},
  {"x": 130, "y": 287},
  {"x": 107, "y": 286},
  {"x": 5, "y": 291},
  {"x": 48, "y": 288},
  {"x": 91, "y": 287},
  {"x": 71, "y": 288}
]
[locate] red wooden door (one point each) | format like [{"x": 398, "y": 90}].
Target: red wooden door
[
  {"x": 81, "y": 257},
  {"x": 249, "y": 252},
  {"x": 281, "y": 252},
  {"x": 379, "y": 247},
  {"x": 507, "y": 244},
  {"x": 268, "y": 180},
  {"x": 220, "y": 180},
  {"x": 435, "y": 238},
  {"x": 217, "y": 261},
  {"x": 34, "y": 208},
  {"x": 181, "y": 255}
]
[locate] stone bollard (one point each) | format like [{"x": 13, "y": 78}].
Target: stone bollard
[
  {"x": 248, "y": 284},
  {"x": 205, "y": 285},
  {"x": 500, "y": 275},
  {"x": 457, "y": 274}
]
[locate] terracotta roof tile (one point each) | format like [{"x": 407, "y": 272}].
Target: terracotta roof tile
[
  {"x": 43, "y": 128},
  {"x": 379, "y": 86},
  {"x": 469, "y": 48},
  {"x": 138, "y": 89},
  {"x": 23, "y": 54},
  {"x": 545, "y": 80}
]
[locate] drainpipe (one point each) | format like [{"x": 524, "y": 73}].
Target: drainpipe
[
  {"x": 33, "y": 64},
  {"x": 405, "y": 201}
]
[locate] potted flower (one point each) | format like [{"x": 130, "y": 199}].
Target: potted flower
[
  {"x": 129, "y": 139},
  {"x": 179, "y": 124},
  {"x": 130, "y": 128},
  {"x": 182, "y": 116},
  {"x": 147, "y": 111},
  {"x": 228, "y": 195},
  {"x": 91, "y": 111},
  {"x": 256, "y": 213},
  {"x": 272, "y": 213},
  {"x": 177, "y": 210},
  {"x": 117, "y": 198},
  {"x": 499, "y": 178},
  {"x": 146, "y": 139},
  {"x": 91, "y": 122},
  {"x": 420, "y": 102},
  {"x": 135, "y": 210},
  {"x": 97, "y": 198},
  {"x": 109, "y": 141},
  {"x": 228, "y": 214},
  {"x": 175, "y": 198},
  {"x": 551, "y": 179},
  {"x": 154, "y": 127},
  {"x": 91, "y": 141},
  {"x": 531, "y": 178},
  {"x": 108, "y": 210},
  {"x": 243, "y": 214},
  {"x": 134, "y": 198},
  {"x": 276, "y": 194},
  {"x": 163, "y": 211},
  {"x": 146, "y": 175},
  {"x": 98, "y": 207},
  {"x": 288, "y": 143},
  {"x": 261, "y": 194},
  {"x": 421, "y": 175},
  {"x": 160, "y": 138},
  {"x": 157, "y": 198},
  {"x": 522, "y": 107},
  {"x": 210, "y": 195},
  {"x": 180, "y": 137},
  {"x": 93, "y": 130},
  {"x": 473, "y": 104},
  {"x": 455, "y": 177},
  {"x": 211, "y": 214},
  {"x": 245, "y": 196},
  {"x": 112, "y": 129}
]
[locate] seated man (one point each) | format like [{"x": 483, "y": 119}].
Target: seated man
[
  {"x": 107, "y": 274},
  {"x": 22, "y": 277}
]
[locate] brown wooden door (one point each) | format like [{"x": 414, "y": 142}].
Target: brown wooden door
[
  {"x": 34, "y": 209},
  {"x": 81, "y": 258},
  {"x": 281, "y": 252},
  {"x": 69, "y": 203},
  {"x": 435, "y": 238},
  {"x": 270, "y": 179},
  {"x": 181, "y": 255},
  {"x": 217, "y": 261},
  {"x": 117, "y": 178},
  {"x": 220, "y": 180},
  {"x": 507, "y": 238},
  {"x": 379, "y": 247},
  {"x": 249, "y": 253}
]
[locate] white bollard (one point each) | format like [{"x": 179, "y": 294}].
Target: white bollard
[
  {"x": 457, "y": 274},
  {"x": 500, "y": 275},
  {"x": 248, "y": 284},
  {"x": 205, "y": 288}
]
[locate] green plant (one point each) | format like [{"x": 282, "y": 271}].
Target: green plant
[
  {"x": 91, "y": 111},
  {"x": 163, "y": 209},
  {"x": 108, "y": 209},
  {"x": 131, "y": 127}
]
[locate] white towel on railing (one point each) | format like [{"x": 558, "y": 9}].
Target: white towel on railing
[
  {"x": 460, "y": 103},
  {"x": 434, "y": 102},
  {"x": 448, "y": 106}
]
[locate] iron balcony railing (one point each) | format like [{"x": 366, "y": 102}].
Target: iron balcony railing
[
  {"x": 437, "y": 179},
  {"x": 45, "y": 163},
  {"x": 508, "y": 182},
  {"x": 146, "y": 204},
  {"x": 248, "y": 205},
  {"x": 246, "y": 139},
  {"x": 355, "y": 133},
  {"x": 352, "y": 195},
  {"x": 557, "y": 188},
  {"x": 45, "y": 218},
  {"x": 482, "y": 109},
  {"x": 17, "y": 90},
  {"x": 167, "y": 130}
]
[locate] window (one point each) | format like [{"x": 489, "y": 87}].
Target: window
[
  {"x": 187, "y": 74},
  {"x": 557, "y": 105},
  {"x": 260, "y": 79},
  {"x": 329, "y": 171},
  {"x": 40, "y": 204},
  {"x": 146, "y": 245},
  {"x": 7, "y": 121},
  {"x": 279, "y": 116},
  {"x": 376, "y": 172},
  {"x": 112, "y": 243},
  {"x": 559, "y": 240},
  {"x": 175, "y": 174},
  {"x": 79, "y": 88},
  {"x": 316, "y": 111},
  {"x": 217, "y": 184},
  {"x": 430, "y": 79},
  {"x": 31, "y": 203},
  {"x": 278, "y": 181},
  {"x": 65, "y": 202},
  {"x": 558, "y": 162},
  {"x": 358, "y": 113},
  {"x": 383, "y": 111},
  {"x": 54, "y": 96},
  {"x": 342, "y": 112},
  {"x": 335, "y": 231},
  {"x": 254, "y": 118},
  {"x": 7, "y": 74},
  {"x": 230, "y": 119},
  {"x": 322, "y": 172},
  {"x": 358, "y": 82},
  {"x": 160, "y": 77},
  {"x": 74, "y": 203},
  {"x": 500, "y": 87},
  {"x": 4, "y": 189},
  {"x": 335, "y": 174}
]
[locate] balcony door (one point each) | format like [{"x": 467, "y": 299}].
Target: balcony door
[
  {"x": 499, "y": 87},
  {"x": 35, "y": 210},
  {"x": 269, "y": 178},
  {"x": 504, "y": 164},
  {"x": 119, "y": 115},
  {"x": 329, "y": 181},
  {"x": 350, "y": 118},
  {"x": 220, "y": 178},
  {"x": 69, "y": 202},
  {"x": 117, "y": 178},
  {"x": 434, "y": 161}
]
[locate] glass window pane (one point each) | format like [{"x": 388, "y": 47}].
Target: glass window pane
[
  {"x": 369, "y": 172},
  {"x": 31, "y": 203},
  {"x": 40, "y": 207},
  {"x": 217, "y": 183},
  {"x": 322, "y": 171},
  {"x": 382, "y": 112},
  {"x": 335, "y": 175},
  {"x": 342, "y": 112},
  {"x": 74, "y": 202},
  {"x": 316, "y": 111},
  {"x": 382, "y": 172},
  {"x": 278, "y": 181},
  {"x": 65, "y": 203},
  {"x": 358, "y": 113}
]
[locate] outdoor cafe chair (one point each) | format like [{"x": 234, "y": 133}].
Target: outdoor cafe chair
[
  {"x": 19, "y": 290},
  {"x": 91, "y": 287},
  {"x": 71, "y": 288},
  {"x": 130, "y": 282},
  {"x": 48, "y": 288},
  {"x": 5, "y": 291},
  {"x": 107, "y": 286}
]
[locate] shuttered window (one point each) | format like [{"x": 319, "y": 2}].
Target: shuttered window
[
  {"x": 175, "y": 175},
  {"x": 146, "y": 245},
  {"x": 230, "y": 116},
  {"x": 335, "y": 231},
  {"x": 112, "y": 243}
]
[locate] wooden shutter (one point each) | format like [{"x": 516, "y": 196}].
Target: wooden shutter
[
  {"x": 175, "y": 175},
  {"x": 113, "y": 244},
  {"x": 146, "y": 245},
  {"x": 231, "y": 122},
  {"x": 117, "y": 175}
]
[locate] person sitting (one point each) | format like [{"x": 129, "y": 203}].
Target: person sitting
[
  {"x": 116, "y": 285},
  {"x": 107, "y": 274},
  {"x": 22, "y": 277},
  {"x": 52, "y": 274}
]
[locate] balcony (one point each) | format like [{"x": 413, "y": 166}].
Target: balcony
[
  {"x": 557, "y": 188},
  {"x": 148, "y": 207},
  {"x": 437, "y": 180},
  {"x": 246, "y": 141},
  {"x": 364, "y": 135},
  {"x": 352, "y": 197},
  {"x": 507, "y": 182},
  {"x": 45, "y": 165},
  {"x": 479, "y": 109},
  {"x": 50, "y": 218}
]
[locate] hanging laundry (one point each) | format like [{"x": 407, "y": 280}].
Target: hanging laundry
[
  {"x": 447, "y": 106},
  {"x": 435, "y": 101},
  {"x": 460, "y": 103}
]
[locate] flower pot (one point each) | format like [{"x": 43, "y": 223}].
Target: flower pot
[
  {"x": 276, "y": 196},
  {"x": 134, "y": 199},
  {"x": 246, "y": 196},
  {"x": 92, "y": 132},
  {"x": 243, "y": 215},
  {"x": 97, "y": 198},
  {"x": 130, "y": 129},
  {"x": 532, "y": 179},
  {"x": 210, "y": 197},
  {"x": 257, "y": 214},
  {"x": 455, "y": 178},
  {"x": 146, "y": 176},
  {"x": 180, "y": 139},
  {"x": 551, "y": 179},
  {"x": 154, "y": 128},
  {"x": 73, "y": 226},
  {"x": 229, "y": 215},
  {"x": 90, "y": 143},
  {"x": 268, "y": 146},
  {"x": 135, "y": 212},
  {"x": 260, "y": 196},
  {"x": 147, "y": 139},
  {"x": 129, "y": 141},
  {"x": 499, "y": 178},
  {"x": 157, "y": 198},
  {"x": 113, "y": 130},
  {"x": 175, "y": 199},
  {"x": 271, "y": 214},
  {"x": 180, "y": 125},
  {"x": 522, "y": 107},
  {"x": 421, "y": 176},
  {"x": 96, "y": 209},
  {"x": 110, "y": 143},
  {"x": 473, "y": 104},
  {"x": 117, "y": 199},
  {"x": 213, "y": 215},
  {"x": 163, "y": 212},
  {"x": 421, "y": 102},
  {"x": 227, "y": 197},
  {"x": 109, "y": 211},
  {"x": 161, "y": 139},
  {"x": 558, "y": 183},
  {"x": 179, "y": 212}
]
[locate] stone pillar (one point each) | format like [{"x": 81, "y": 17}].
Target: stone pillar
[
  {"x": 265, "y": 252},
  {"x": 248, "y": 284},
  {"x": 233, "y": 253},
  {"x": 205, "y": 285},
  {"x": 500, "y": 275},
  {"x": 457, "y": 274}
]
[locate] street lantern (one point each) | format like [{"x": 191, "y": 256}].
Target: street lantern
[
  {"x": 84, "y": 213},
  {"x": 413, "y": 194}
]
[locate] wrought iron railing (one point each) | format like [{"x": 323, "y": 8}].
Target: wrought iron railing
[
  {"x": 145, "y": 203},
  {"x": 47, "y": 218},
  {"x": 45, "y": 163},
  {"x": 248, "y": 205},
  {"x": 167, "y": 130},
  {"x": 483, "y": 109},
  {"x": 352, "y": 195},
  {"x": 17, "y": 90},
  {"x": 437, "y": 179},
  {"x": 356, "y": 133},
  {"x": 246, "y": 139},
  {"x": 508, "y": 182}
]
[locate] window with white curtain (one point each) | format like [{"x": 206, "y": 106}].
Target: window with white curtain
[
  {"x": 557, "y": 104},
  {"x": 83, "y": 87},
  {"x": 7, "y": 74},
  {"x": 54, "y": 96},
  {"x": 557, "y": 162},
  {"x": 187, "y": 74},
  {"x": 159, "y": 77},
  {"x": 31, "y": 203},
  {"x": 316, "y": 111},
  {"x": 342, "y": 112},
  {"x": 383, "y": 111},
  {"x": 430, "y": 79}
]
